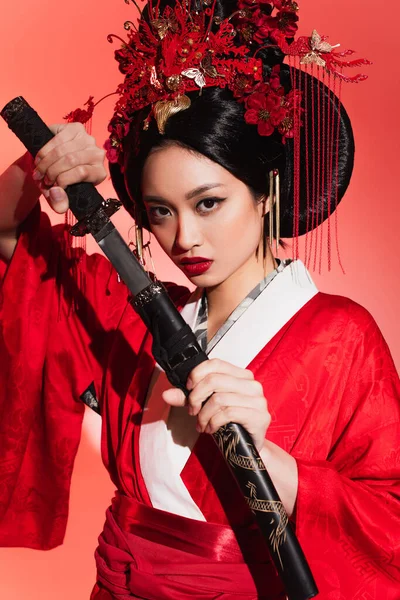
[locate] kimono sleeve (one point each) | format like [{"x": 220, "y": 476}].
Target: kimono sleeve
[
  {"x": 348, "y": 509},
  {"x": 54, "y": 323}
]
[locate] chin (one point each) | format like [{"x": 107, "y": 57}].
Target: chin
[{"x": 207, "y": 280}]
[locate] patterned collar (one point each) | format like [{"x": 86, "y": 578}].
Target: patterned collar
[{"x": 200, "y": 328}]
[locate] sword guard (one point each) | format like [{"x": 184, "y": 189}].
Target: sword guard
[{"x": 89, "y": 224}]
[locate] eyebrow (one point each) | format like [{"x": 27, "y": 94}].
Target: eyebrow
[
  {"x": 196, "y": 192},
  {"x": 201, "y": 189}
]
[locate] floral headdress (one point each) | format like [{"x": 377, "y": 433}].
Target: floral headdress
[{"x": 181, "y": 49}]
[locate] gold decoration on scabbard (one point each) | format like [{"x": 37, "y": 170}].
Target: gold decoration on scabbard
[
  {"x": 228, "y": 442},
  {"x": 278, "y": 535}
]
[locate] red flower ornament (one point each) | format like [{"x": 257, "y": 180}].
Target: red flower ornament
[
  {"x": 262, "y": 26},
  {"x": 81, "y": 115},
  {"x": 264, "y": 109},
  {"x": 286, "y": 21},
  {"x": 286, "y": 4},
  {"x": 112, "y": 149}
]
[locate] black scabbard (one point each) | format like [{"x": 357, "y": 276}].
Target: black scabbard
[{"x": 176, "y": 350}]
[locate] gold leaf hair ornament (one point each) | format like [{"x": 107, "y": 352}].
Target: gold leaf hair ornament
[{"x": 164, "y": 109}]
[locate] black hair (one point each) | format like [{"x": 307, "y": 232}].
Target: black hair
[{"x": 214, "y": 126}]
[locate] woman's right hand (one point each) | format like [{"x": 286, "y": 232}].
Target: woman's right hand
[{"x": 70, "y": 157}]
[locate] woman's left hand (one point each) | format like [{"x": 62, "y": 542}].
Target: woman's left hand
[{"x": 234, "y": 396}]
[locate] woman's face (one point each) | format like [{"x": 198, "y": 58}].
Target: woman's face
[{"x": 205, "y": 219}]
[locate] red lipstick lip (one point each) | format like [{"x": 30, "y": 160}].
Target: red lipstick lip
[
  {"x": 197, "y": 266},
  {"x": 194, "y": 260}
]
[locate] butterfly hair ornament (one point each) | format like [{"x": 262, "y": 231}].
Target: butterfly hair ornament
[{"x": 174, "y": 51}]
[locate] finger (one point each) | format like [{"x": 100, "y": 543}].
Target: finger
[
  {"x": 222, "y": 401},
  {"x": 174, "y": 397},
  {"x": 216, "y": 365},
  {"x": 58, "y": 127},
  {"x": 63, "y": 133},
  {"x": 58, "y": 200},
  {"x": 89, "y": 157},
  {"x": 221, "y": 382},
  {"x": 254, "y": 423},
  {"x": 78, "y": 175},
  {"x": 67, "y": 155}
]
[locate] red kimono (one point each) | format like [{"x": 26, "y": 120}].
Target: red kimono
[{"x": 333, "y": 393}]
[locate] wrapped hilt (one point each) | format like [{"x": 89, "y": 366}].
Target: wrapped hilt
[
  {"x": 175, "y": 346},
  {"x": 84, "y": 199}
]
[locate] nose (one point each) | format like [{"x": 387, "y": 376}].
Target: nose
[{"x": 188, "y": 233}]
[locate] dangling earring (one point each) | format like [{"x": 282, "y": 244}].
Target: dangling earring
[
  {"x": 277, "y": 210},
  {"x": 274, "y": 206},
  {"x": 263, "y": 233},
  {"x": 271, "y": 207},
  {"x": 139, "y": 243},
  {"x": 139, "y": 247}
]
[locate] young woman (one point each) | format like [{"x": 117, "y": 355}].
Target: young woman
[{"x": 307, "y": 374}]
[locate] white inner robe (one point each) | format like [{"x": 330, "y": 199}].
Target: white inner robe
[{"x": 167, "y": 434}]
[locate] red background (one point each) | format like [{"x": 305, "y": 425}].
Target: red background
[{"x": 56, "y": 55}]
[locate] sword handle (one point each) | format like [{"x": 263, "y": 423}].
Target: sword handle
[{"x": 84, "y": 199}]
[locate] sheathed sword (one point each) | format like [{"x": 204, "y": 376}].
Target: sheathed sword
[{"x": 177, "y": 351}]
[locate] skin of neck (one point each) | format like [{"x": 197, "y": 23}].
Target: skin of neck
[{"x": 223, "y": 298}]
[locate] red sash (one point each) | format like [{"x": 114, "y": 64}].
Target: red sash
[{"x": 154, "y": 555}]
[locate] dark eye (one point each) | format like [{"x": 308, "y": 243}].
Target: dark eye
[
  {"x": 209, "y": 204},
  {"x": 158, "y": 212}
]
